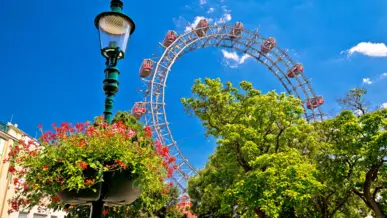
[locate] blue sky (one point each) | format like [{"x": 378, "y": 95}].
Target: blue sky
[{"x": 52, "y": 70}]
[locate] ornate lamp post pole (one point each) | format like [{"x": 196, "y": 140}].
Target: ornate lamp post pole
[{"x": 114, "y": 28}]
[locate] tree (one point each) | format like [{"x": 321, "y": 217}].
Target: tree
[
  {"x": 207, "y": 189},
  {"x": 336, "y": 199},
  {"x": 354, "y": 100},
  {"x": 265, "y": 150},
  {"x": 358, "y": 153}
]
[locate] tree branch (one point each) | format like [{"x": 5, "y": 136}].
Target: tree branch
[
  {"x": 377, "y": 189},
  {"x": 240, "y": 158},
  {"x": 277, "y": 143},
  {"x": 340, "y": 203},
  {"x": 361, "y": 195}
]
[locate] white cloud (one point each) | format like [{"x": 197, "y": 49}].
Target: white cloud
[
  {"x": 367, "y": 81},
  {"x": 230, "y": 55},
  {"x": 358, "y": 112},
  {"x": 369, "y": 49},
  {"x": 383, "y": 75},
  {"x": 244, "y": 58},
  {"x": 219, "y": 12},
  {"x": 384, "y": 105},
  {"x": 224, "y": 19},
  {"x": 226, "y": 16},
  {"x": 235, "y": 57}
]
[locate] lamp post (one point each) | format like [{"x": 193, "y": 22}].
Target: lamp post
[{"x": 114, "y": 28}]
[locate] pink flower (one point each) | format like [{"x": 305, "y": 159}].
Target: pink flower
[{"x": 131, "y": 133}]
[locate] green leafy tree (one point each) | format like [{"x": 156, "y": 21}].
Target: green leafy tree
[
  {"x": 336, "y": 199},
  {"x": 358, "y": 153},
  {"x": 265, "y": 150}
]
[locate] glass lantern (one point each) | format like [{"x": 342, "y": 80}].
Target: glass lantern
[{"x": 114, "y": 31}]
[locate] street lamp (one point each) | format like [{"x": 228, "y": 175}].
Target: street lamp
[{"x": 114, "y": 28}]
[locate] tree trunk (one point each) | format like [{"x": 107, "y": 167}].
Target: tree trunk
[
  {"x": 259, "y": 212},
  {"x": 370, "y": 176},
  {"x": 374, "y": 205}
]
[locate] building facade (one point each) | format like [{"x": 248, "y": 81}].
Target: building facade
[{"x": 9, "y": 134}]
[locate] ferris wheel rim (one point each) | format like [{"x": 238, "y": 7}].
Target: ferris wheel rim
[{"x": 301, "y": 79}]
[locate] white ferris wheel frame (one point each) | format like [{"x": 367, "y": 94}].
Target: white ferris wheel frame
[{"x": 248, "y": 42}]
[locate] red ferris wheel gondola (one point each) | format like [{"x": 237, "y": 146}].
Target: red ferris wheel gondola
[
  {"x": 202, "y": 27},
  {"x": 296, "y": 70},
  {"x": 169, "y": 38},
  {"x": 138, "y": 110},
  {"x": 268, "y": 45},
  {"x": 236, "y": 30},
  {"x": 146, "y": 68},
  {"x": 314, "y": 102}
]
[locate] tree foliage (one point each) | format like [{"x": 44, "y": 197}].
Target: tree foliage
[
  {"x": 359, "y": 150},
  {"x": 264, "y": 157},
  {"x": 270, "y": 162}
]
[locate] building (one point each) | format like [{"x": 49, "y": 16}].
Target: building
[{"x": 10, "y": 134}]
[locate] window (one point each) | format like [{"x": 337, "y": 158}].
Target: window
[
  {"x": 23, "y": 215},
  {"x": 39, "y": 215}
]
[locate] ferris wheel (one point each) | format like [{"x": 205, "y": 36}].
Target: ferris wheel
[{"x": 154, "y": 73}]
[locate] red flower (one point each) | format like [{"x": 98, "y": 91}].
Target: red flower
[
  {"x": 105, "y": 212},
  {"x": 171, "y": 159},
  {"x": 82, "y": 143},
  {"x": 82, "y": 164},
  {"x": 45, "y": 168},
  {"x": 55, "y": 199},
  {"x": 11, "y": 169},
  {"x": 90, "y": 131},
  {"x": 148, "y": 131},
  {"x": 40, "y": 126},
  {"x": 89, "y": 182},
  {"x": 80, "y": 127}
]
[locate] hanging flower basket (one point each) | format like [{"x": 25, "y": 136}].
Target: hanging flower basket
[
  {"x": 82, "y": 196},
  {"x": 82, "y": 163},
  {"x": 122, "y": 190}
]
